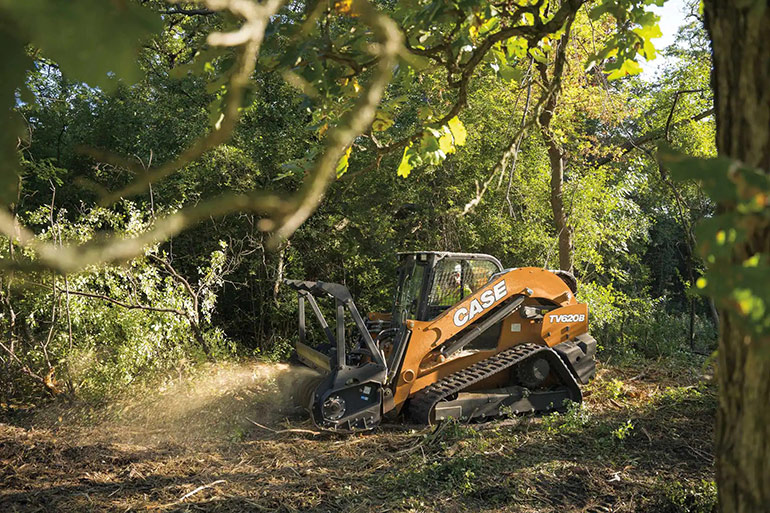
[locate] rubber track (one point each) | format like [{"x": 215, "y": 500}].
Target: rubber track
[{"x": 422, "y": 403}]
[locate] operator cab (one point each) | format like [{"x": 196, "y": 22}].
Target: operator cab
[{"x": 429, "y": 282}]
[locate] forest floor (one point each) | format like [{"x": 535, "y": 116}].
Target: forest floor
[{"x": 222, "y": 441}]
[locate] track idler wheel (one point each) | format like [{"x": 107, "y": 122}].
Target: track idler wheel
[{"x": 533, "y": 372}]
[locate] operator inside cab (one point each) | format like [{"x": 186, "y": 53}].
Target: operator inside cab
[{"x": 453, "y": 289}]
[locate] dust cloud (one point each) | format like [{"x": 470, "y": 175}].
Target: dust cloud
[{"x": 219, "y": 402}]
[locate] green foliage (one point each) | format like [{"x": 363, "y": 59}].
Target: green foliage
[
  {"x": 93, "y": 41},
  {"x": 454, "y": 475},
  {"x": 280, "y": 349},
  {"x": 646, "y": 327},
  {"x": 627, "y": 234},
  {"x": 12, "y": 68},
  {"x": 623, "y": 430},
  {"x": 572, "y": 421},
  {"x": 636, "y": 29},
  {"x": 342, "y": 165},
  {"x": 434, "y": 147},
  {"x": 687, "y": 497},
  {"x": 679, "y": 395},
  {"x": 135, "y": 322},
  {"x": 609, "y": 389},
  {"x": 606, "y": 305}
]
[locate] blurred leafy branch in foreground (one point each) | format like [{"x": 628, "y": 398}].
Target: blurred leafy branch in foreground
[
  {"x": 742, "y": 220},
  {"x": 342, "y": 55}
]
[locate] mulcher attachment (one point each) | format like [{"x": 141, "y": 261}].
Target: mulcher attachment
[{"x": 350, "y": 397}]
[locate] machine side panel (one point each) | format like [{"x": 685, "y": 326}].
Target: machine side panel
[
  {"x": 564, "y": 323},
  {"x": 528, "y": 281}
]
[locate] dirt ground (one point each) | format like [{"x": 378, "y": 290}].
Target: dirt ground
[{"x": 227, "y": 440}]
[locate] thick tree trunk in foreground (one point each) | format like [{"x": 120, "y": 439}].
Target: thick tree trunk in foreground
[{"x": 741, "y": 48}]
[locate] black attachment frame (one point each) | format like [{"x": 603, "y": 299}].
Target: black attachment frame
[
  {"x": 306, "y": 291},
  {"x": 350, "y": 397}
]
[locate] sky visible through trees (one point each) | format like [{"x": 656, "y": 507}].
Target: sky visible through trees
[{"x": 672, "y": 17}]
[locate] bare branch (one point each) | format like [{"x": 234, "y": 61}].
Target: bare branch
[
  {"x": 652, "y": 135},
  {"x": 190, "y": 12},
  {"x": 22, "y": 366},
  {"x": 186, "y": 284},
  {"x": 673, "y": 107},
  {"x": 129, "y": 306}
]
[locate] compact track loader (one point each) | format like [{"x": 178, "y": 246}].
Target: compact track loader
[{"x": 465, "y": 339}]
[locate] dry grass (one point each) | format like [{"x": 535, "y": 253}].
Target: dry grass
[{"x": 190, "y": 447}]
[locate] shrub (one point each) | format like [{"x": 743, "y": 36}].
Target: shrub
[{"x": 94, "y": 332}]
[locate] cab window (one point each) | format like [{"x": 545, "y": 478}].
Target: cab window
[{"x": 456, "y": 279}]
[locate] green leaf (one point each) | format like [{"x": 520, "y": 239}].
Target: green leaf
[
  {"x": 538, "y": 55},
  {"x": 516, "y": 47},
  {"x": 425, "y": 113},
  {"x": 429, "y": 141},
  {"x": 405, "y": 167},
  {"x": 597, "y": 12},
  {"x": 458, "y": 131},
  {"x": 382, "y": 121},
  {"x": 628, "y": 67},
  {"x": 446, "y": 142},
  {"x": 342, "y": 165},
  {"x": 510, "y": 73},
  {"x": 93, "y": 41},
  {"x": 415, "y": 62},
  {"x": 489, "y": 25},
  {"x": 636, "y": 27},
  {"x": 646, "y": 33},
  {"x": 498, "y": 56}
]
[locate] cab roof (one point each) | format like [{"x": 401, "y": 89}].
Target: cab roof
[{"x": 440, "y": 255}]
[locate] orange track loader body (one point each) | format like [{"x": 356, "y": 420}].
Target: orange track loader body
[{"x": 515, "y": 340}]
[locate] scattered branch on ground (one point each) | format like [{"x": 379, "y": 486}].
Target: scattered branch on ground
[{"x": 279, "y": 431}]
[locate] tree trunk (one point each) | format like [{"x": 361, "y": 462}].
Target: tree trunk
[
  {"x": 741, "y": 81},
  {"x": 556, "y": 157},
  {"x": 279, "y": 271},
  {"x": 564, "y": 231}
]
